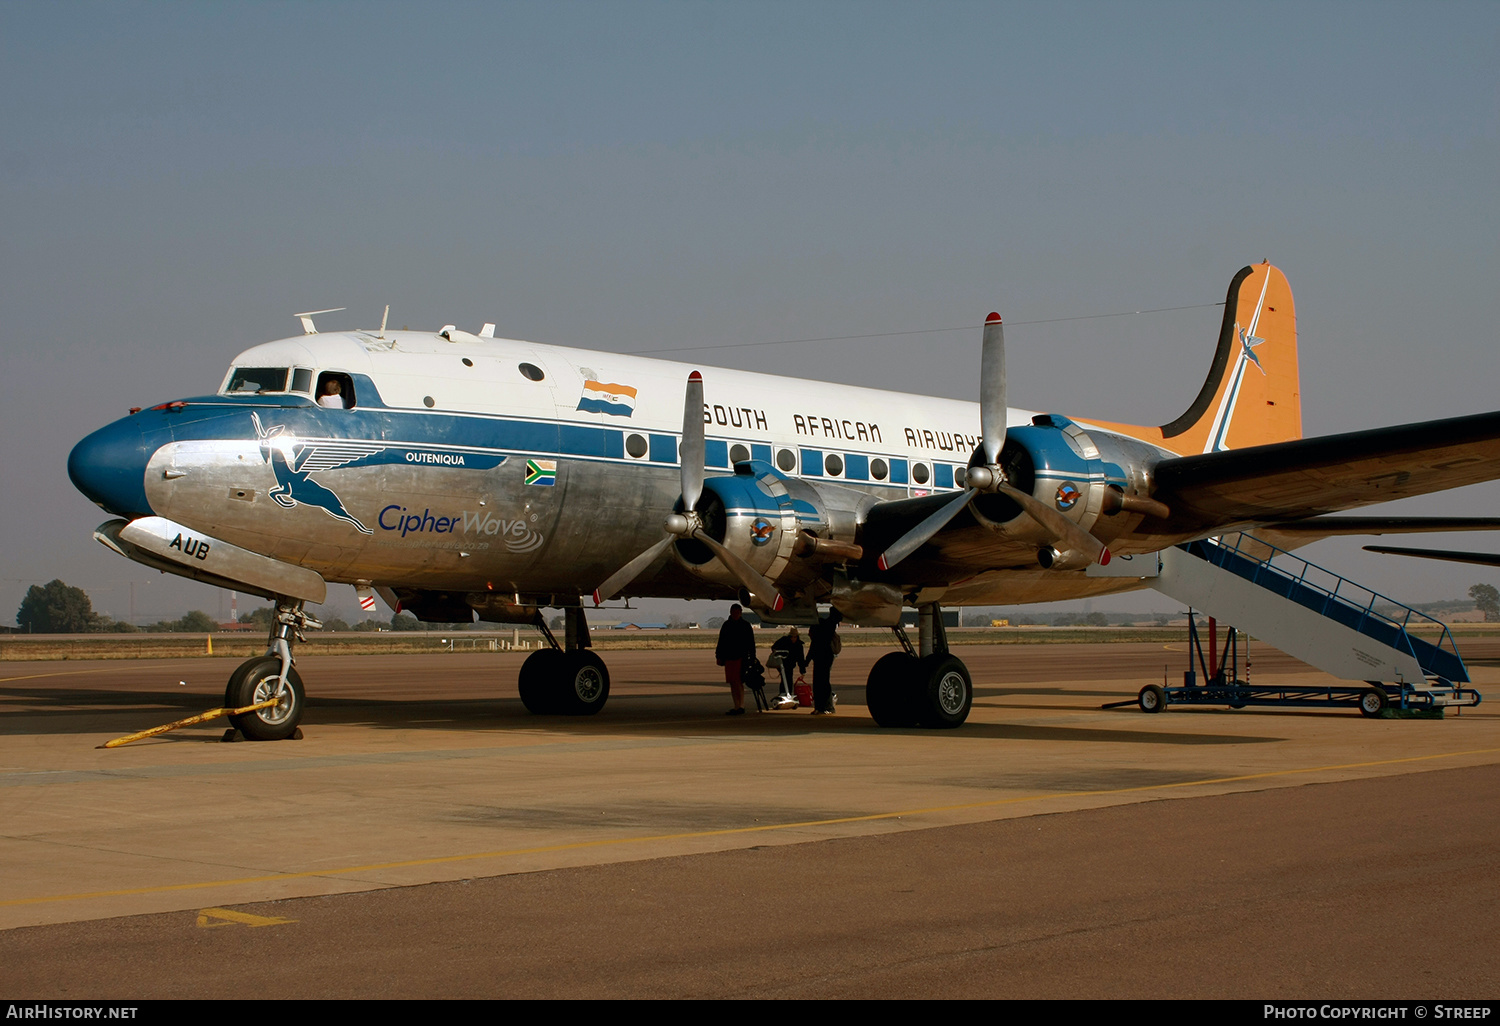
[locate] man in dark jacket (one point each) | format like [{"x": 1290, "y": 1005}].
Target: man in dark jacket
[
  {"x": 824, "y": 637},
  {"x": 736, "y": 643}
]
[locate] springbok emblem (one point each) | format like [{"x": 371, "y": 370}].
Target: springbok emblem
[{"x": 293, "y": 462}]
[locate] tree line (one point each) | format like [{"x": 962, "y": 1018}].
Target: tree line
[{"x": 58, "y": 608}]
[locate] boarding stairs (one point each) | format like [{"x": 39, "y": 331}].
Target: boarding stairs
[{"x": 1319, "y": 617}]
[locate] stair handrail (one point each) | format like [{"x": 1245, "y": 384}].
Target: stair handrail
[{"x": 1403, "y": 627}]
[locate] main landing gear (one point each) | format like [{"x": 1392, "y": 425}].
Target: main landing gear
[
  {"x": 271, "y": 676},
  {"x": 567, "y": 679},
  {"x": 924, "y": 688}
]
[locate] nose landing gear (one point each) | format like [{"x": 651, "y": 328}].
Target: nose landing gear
[{"x": 272, "y": 676}]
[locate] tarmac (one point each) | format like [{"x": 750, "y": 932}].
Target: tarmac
[{"x": 429, "y": 838}]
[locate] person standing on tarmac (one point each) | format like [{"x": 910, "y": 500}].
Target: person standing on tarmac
[
  {"x": 792, "y": 655},
  {"x": 736, "y": 643},
  {"x": 825, "y": 646}
]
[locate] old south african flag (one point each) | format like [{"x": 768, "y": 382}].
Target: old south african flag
[{"x": 541, "y": 472}]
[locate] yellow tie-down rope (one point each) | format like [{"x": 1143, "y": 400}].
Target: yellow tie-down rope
[{"x": 212, "y": 714}]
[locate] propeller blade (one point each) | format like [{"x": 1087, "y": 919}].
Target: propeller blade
[
  {"x": 630, "y": 571},
  {"x": 992, "y": 389},
  {"x": 691, "y": 454},
  {"x": 763, "y": 590},
  {"x": 914, "y": 539},
  {"x": 1064, "y": 530}
]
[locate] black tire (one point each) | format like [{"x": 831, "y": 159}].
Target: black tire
[
  {"x": 1153, "y": 698},
  {"x": 256, "y": 680},
  {"x": 890, "y": 690},
  {"x": 539, "y": 677},
  {"x": 583, "y": 687},
  {"x": 1373, "y": 702},
  {"x": 945, "y": 693}
]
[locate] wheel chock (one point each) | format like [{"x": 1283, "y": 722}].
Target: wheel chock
[{"x": 204, "y": 717}]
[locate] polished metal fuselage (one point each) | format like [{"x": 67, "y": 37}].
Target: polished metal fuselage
[{"x": 457, "y": 469}]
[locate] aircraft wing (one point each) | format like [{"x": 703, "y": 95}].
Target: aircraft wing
[
  {"x": 1310, "y": 477},
  {"x": 1282, "y": 491}
]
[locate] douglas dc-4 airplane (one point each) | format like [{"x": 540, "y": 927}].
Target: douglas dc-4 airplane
[{"x": 459, "y": 475}]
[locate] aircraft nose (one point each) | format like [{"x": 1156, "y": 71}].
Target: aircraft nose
[{"x": 109, "y": 466}]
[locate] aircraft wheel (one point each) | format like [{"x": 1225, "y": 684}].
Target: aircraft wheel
[
  {"x": 1153, "y": 698},
  {"x": 584, "y": 685},
  {"x": 1373, "y": 702},
  {"x": 539, "y": 678},
  {"x": 889, "y": 690},
  {"x": 255, "y": 681},
  {"x": 945, "y": 692}
]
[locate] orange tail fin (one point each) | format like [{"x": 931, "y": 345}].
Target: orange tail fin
[{"x": 1252, "y": 395}]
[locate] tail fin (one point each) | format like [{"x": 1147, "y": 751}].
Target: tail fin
[{"x": 1252, "y": 395}]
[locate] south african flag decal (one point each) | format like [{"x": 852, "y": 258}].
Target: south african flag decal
[{"x": 541, "y": 472}]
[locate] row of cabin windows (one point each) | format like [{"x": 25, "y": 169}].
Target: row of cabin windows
[
  {"x": 260, "y": 380},
  {"x": 814, "y": 462}
]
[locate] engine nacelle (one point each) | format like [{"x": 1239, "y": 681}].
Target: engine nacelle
[
  {"x": 788, "y": 529},
  {"x": 1088, "y": 478}
]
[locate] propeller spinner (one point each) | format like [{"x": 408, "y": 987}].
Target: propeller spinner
[{"x": 688, "y": 523}]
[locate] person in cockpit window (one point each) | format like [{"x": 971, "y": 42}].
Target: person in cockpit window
[{"x": 332, "y": 395}]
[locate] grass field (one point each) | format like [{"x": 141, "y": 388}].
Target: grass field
[{"x": 241, "y": 646}]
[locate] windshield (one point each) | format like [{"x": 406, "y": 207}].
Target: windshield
[{"x": 258, "y": 379}]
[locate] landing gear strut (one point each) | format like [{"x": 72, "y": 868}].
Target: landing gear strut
[
  {"x": 927, "y": 687},
  {"x": 272, "y": 676},
  {"x": 565, "y": 679}
]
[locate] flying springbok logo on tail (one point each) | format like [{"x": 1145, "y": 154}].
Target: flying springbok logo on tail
[{"x": 293, "y": 462}]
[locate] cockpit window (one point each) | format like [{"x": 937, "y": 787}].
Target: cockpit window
[
  {"x": 258, "y": 379},
  {"x": 335, "y": 390},
  {"x": 302, "y": 380}
]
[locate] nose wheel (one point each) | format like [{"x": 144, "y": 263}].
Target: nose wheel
[
  {"x": 258, "y": 680},
  {"x": 271, "y": 676}
]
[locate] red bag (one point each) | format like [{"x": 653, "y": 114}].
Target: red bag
[{"x": 804, "y": 693}]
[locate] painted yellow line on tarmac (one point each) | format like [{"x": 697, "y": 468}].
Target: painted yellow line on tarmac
[
  {"x": 74, "y": 673},
  {"x": 729, "y": 831}
]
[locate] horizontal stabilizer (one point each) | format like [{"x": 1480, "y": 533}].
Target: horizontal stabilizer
[{"x": 1451, "y": 555}]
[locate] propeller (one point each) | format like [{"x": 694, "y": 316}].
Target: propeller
[
  {"x": 688, "y": 523},
  {"x": 988, "y": 478}
]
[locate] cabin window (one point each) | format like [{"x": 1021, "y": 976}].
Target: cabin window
[
  {"x": 833, "y": 464},
  {"x": 258, "y": 380},
  {"x": 738, "y": 454},
  {"x": 636, "y": 446},
  {"x": 786, "y": 460},
  {"x": 878, "y": 469},
  {"x": 302, "y": 380},
  {"x": 532, "y": 372},
  {"x": 920, "y": 473},
  {"x": 960, "y": 476},
  {"x": 335, "y": 390}
]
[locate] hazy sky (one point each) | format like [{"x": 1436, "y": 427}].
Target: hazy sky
[{"x": 178, "y": 179}]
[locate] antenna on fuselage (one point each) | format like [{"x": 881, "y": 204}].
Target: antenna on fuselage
[
  {"x": 308, "y": 328},
  {"x": 383, "y": 318}
]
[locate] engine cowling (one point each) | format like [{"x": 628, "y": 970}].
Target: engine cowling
[{"x": 1087, "y": 477}]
